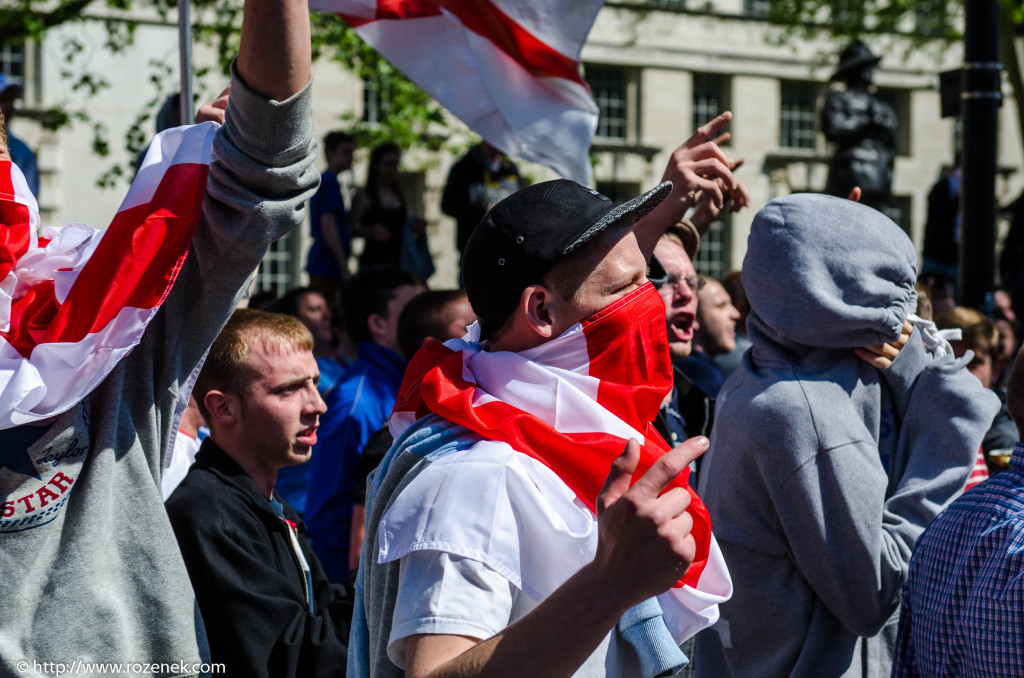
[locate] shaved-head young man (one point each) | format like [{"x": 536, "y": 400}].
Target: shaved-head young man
[
  {"x": 266, "y": 602},
  {"x": 502, "y": 542}
]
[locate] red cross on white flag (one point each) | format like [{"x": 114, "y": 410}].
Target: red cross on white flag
[{"x": 508, "y": 69}]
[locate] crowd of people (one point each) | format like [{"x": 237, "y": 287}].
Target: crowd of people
[
  {"x": 588, "y": 460},
  {"x": 394, "y": 237}
]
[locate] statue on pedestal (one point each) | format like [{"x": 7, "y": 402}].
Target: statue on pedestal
[{"x": 862, "y": 127}]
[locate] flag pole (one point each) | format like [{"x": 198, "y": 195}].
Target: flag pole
[{"x": 185, "y": 54}]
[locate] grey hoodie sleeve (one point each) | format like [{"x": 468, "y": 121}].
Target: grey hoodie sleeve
[
  {"x": 945, "y": 414},
  {"x": 850, "y": 527},
  {"x": 261, "y": 173}
]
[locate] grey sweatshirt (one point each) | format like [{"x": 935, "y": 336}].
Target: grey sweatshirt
[
  {"x": 823, "y": 471},
  {"x": 99, "y": 577}
]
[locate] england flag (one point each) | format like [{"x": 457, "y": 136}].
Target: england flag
[
  {"x": 75, "y": 300},
  {"x": 508, "y": 69}
]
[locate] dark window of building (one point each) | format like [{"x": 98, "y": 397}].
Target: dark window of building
[
  {"x": 375, "y": 100},
  {"x": 278, "y": 268},
  {"x": 713, "y": 255},
  {"x": 931, "y": 17},
  {"x": 618, "y": 191},
  {"x": 798, "y": 117},
  {"x": 757, "y": 8},
  {"x": 12, "y": 61},
  {"x": 667, "y": 4},
  {"x": 898, "y": 209},
  {"x": 610, "y": 87},
  {"x": 710, "y": 97},
  {"x": 848, "y": 14}
]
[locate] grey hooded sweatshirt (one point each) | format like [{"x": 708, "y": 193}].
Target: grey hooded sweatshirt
[
  {"x": 823, "y": 470},
  {"x": 93, "y": 574}
]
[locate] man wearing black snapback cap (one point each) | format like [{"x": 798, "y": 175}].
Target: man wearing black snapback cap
[{"x": 498, "y": 541}]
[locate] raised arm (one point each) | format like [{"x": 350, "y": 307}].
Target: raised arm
[
  {"x": 644, "y": 546},
  {"x": 698, "y": 168},
  {"x": 280, "y": 72},
  {"x": 261, "y": 174}
]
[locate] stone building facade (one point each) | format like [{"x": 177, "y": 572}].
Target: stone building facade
[{"x": 657, "y": 69}]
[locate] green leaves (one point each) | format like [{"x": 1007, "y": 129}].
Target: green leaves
[
  {"x": 916, "y": 21},
  {"x": 394, "y": 108}
]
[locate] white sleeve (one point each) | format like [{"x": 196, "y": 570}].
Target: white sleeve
[{"x": 443, "y": 594}]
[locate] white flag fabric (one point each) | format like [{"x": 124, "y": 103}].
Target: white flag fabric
[
  {"x": 546, "y": 415},
  {"x": 75, "y": 300},
  {"x": 508, "y": 69}
]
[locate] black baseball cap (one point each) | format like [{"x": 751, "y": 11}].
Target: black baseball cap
[{"x": 522, "y": 237}]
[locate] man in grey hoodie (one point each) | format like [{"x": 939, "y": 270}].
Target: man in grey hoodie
[
  {"x": 100, "y": 579},
  {"x": 829, "y": 460}
]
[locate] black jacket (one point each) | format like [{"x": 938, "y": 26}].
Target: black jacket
[
  {"x": 471, "y": 188},
  {"x": 696, "y": 409},
  {"x": 248, "y": 580}
]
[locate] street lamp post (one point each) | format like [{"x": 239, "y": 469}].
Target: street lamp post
[
  {"x": 185, "y": 59},
  {"x": 981, "y": 97}
]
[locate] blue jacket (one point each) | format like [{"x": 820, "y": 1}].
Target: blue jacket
[
  {"x": 320, "y": 261},
  {"x": 25, "y": 159},
  {"x": 356, "y": 409}
]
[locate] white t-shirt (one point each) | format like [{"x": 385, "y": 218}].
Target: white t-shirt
[
  {"x": 484, "y": 535},
  {"x": 178, "y": 464},
  {"x": 439, "y": 593}
]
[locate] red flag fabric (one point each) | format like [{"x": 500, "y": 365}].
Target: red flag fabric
[
  {"x": 76, "y": 300},
  {"x": 508, "y": 69},
  {"x": 559, "y": 403}
]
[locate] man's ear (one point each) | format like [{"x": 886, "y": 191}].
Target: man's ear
[
  {"x": 377, "y": 324},
  {"x": 539, "y": 307},
  {"x": 224, "y": 408}
]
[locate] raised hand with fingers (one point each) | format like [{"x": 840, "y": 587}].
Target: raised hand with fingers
[
  {"x": 699, "y": 171},
  {"x": 699, "y": 162},
  {"x": 707, "y": 211},
  {"x": 645, "y": 541}
]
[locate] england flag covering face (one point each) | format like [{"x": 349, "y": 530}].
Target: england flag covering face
[
  {"x": 508, "y": 69},
  {"x": 571, "y": 403},
  {"x": 75, "y": 300}
]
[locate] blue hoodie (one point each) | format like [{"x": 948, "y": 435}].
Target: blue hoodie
[{"x": 823, "y": 470}]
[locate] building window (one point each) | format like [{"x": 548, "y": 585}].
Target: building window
[
  {"x": 667, "y": 4},
  {"x": 710, "y": 97},
  {"x": 277, "y": 271},
  {"x": 898, "y": 209},
  {"x": 931, "y": 17},
  {"x": 757, "y": 8},
  {"x": 618, "y": 191},
  {"x": 899, "y": 99},
  {"x": 713, "y": 255},
  {"x": 611, "y": 88},
  {"x": 376, "y": 100},
  {"x": 799, "y": 115},
  {"x": 847, "y": 13},
  {"x": 12, "y": 61}
]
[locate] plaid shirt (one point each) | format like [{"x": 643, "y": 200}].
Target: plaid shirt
[{"x": 962, "y": 609}]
